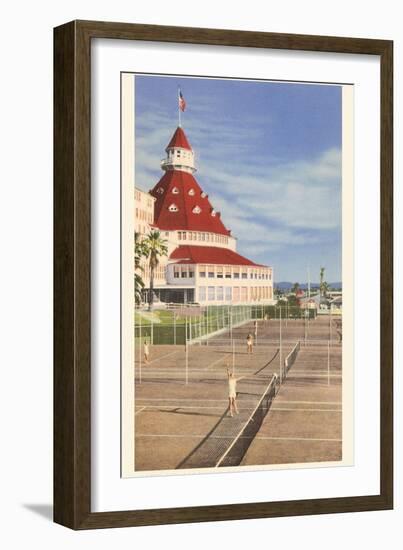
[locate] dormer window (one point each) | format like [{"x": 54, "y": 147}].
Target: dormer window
[
  {"x": 196, "y": 210},
  {"x": 191, "y": 192},
  {"x": 160, "y": 190},
  {"x": 203, "y": 195},
  {"x": 213, "y": 213},
  {"x": 173, "y": 208},
  {"x": 175, "y": 191}
]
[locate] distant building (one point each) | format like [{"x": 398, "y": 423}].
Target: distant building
[{"x": 202, "y": 264}]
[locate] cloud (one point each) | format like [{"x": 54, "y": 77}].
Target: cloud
[
  {"x": 270, "y": 204},
  {"x": 303, "y": 195}
]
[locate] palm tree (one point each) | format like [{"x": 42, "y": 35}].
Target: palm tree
[
  {"x": 156, "y": 247},
  {"x": 325, "y": 288},
  {"x": 321, "y": 277},
  {"x": 140, "y": 251}
]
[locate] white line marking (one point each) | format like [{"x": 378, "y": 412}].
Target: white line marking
[
  {"x": 312, "y": 375},
  {"x": 280, "y": 401},
  {"x": 217, "y": 407},
  {"x": 217, "y": 361},
  {"x": 298, "y": 438},
  {"x": 139, "y": 411},
  {"x": 305, "y": 410},
  {"x": 262, "y": 437},
  {"x": 144, "y": 365}
]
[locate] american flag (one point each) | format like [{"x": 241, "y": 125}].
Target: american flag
[{"x": 181, "y": 101}]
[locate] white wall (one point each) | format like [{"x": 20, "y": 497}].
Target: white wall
[{"x": 26, "y": 279}]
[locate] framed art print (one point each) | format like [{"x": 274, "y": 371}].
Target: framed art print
[{"x": 223, "y": 275}]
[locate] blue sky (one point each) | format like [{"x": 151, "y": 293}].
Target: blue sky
[{"x": 269, "y": 156}]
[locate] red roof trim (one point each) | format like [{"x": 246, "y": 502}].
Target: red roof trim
[{"x": 210, "y": 255}]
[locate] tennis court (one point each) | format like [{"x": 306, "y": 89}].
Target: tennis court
[{"x": 286, "y": 415}]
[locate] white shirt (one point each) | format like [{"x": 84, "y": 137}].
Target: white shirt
[{"x": 232, "y": 386}]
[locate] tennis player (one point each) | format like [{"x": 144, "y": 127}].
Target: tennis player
[
  {"x": 249, "y": 344},
  {"x": 232, "y": 392},
  {"x": 146, "y": 351}
]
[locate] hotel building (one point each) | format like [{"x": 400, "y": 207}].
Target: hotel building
[{"x": 202, "y": 265}]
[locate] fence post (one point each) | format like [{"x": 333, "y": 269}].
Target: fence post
[
  {"x": 174, "y": 328},
  {"x": 281, "y": 352},
  {"x": 305, "y": 326},
  {"x": 186, "y": 351},
  {"x": 230, "y": 320},
  {"x": 152, "y": 329},
  {"x": 328, "y": 363},
  {"x": 140, "y": 347},
  {"x": 207, "y": 326}
]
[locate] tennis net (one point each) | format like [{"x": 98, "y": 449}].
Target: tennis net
[
  {"x": 240, "y": 444},
  {"x": 291, "y": 358}
]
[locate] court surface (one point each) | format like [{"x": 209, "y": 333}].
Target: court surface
[{"x": 181, "y": 415}]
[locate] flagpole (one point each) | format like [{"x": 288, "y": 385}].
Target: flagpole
[{"x": 179, "y": 109}]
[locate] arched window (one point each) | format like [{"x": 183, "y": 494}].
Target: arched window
[
  {"x": 203, "y": 195},
  {"x": 160, "y": 190},
  {"x": 196, "y": 210},
  {"x": 213, "y": 213},
  {"x": 173, "y": 208}
]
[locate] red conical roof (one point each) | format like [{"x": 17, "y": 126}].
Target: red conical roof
[
  {"x": 180, "y": 191},
  {"x": 179, "y": 139}
]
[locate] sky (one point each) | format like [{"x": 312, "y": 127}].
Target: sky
[{"x": 268, "y": 154}]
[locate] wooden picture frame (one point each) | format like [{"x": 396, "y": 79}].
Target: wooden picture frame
[{"x": 72, "y": 274}]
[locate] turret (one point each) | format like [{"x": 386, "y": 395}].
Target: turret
[{"x": 180, "y": 155}]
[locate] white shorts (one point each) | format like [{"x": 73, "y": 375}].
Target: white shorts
[{"x": 232, "y": 395}]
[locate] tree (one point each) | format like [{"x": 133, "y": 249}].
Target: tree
[
  {"x": 140, "y": 251},
  {"x": 325, "y": 288},
  {"x": 295, "y": 288},
  {"x": 156, "y": 247},
  {"x": 292, "y": 301}
]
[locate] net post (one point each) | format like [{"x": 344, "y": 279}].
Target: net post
[
  {"x": 152, "y": 329},
  {"x": 174, "y": 329}
]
